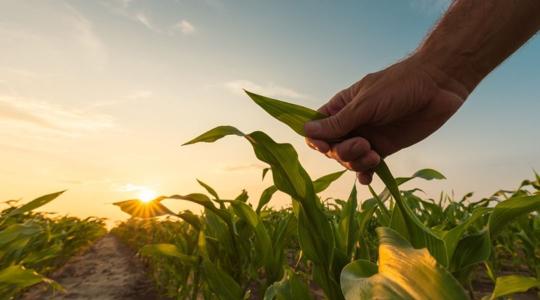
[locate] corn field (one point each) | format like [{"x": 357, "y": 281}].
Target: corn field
[{"x": 397, "y": 244}]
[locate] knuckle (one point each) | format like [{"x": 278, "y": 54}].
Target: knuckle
[
  {"x": 371, "y": 160},
  {"x": 361, "y": 145},
  {"x": 369, "y": 78}
]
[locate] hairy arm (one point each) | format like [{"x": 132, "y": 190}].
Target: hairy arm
[{"x": 475, "y": 36}]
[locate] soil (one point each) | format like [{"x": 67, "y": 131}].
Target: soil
[{"x": 107, "y": 270}]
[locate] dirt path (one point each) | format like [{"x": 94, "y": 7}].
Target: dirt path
[{"x": 108, "y": 270}]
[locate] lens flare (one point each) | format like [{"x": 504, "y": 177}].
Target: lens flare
[{"x": 147, "y": 195}]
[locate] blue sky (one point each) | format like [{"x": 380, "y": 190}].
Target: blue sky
[{"x": 97, "y": 96}]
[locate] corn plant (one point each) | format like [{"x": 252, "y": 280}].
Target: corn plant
[{"x": 34, "y": 244}]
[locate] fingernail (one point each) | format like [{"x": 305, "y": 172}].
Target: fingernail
[
  {"x": 320, "y": 146},
  {"x": 312, "y": 145},
  {"x": 312, "y": 128}
]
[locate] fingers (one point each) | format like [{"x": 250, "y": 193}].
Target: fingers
[
  {"x": 354, "y": 154},
  {"x": 336, "y": 103},
  {"x": 365, "y": 177},
  {"x": 330, "y": 128},
  {"x": 350, "y": 150},
  {"x": 356, "y": 113},
  {"x": 318, "y": 145},
  {"x": 365, "y": 163}
]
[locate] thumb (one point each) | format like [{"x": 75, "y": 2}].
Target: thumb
[{"x": 333, "y": 127}]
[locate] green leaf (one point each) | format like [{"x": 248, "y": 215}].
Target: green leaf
[
  {"x": 508, "y": 285},
  {"x": 17, "y": 277},
  {"x": 289, "y": 287},
  {"x": 294, "y": 116},
  {"x": 347, "y": 227},
  {"x": 427, "y": 174},
  {"x": 215, "y": 134},
  {"x": 17, "y": 231},
  {"x": 190, "y": 218},
  {"x": 209, "y": 189},
  {"x": 264, "y": 172},
  {"x": 203, "y": 200},
  {"x": 508, "y": 210},
  {"x": 221, "y": 283},
  {"x": 291, "y": 178},
  {"x": 266, "y": 196},
  {"x": 353, "y": 279},
  {"x": 263, "y": 243},
  {"x": 403, "y": 273},
  {"x": 167, "y": 250},
  {"x": 38, "y": 202},
  {"x": 407, "y": 223},
  {"x": 452, "y": 237},
  {"x": 472, "y": 249},
  {"x": 324, "y": 182}
]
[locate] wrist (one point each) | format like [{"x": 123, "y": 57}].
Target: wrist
[{"x": 450, "y": 73}]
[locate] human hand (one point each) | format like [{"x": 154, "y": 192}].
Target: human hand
[{"x": 383, "y": 113}]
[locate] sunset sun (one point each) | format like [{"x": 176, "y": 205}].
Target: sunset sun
[{"x": 147, "y": 195}]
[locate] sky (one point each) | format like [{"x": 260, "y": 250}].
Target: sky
[{"x": 96, "y": 97}]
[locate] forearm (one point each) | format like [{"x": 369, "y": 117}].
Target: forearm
[{"x": 475, "y": 36}]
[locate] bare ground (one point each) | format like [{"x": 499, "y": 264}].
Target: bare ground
[{"x": 107, "y": 270}]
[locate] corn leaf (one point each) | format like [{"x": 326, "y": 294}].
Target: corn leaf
[
  {"x": 221, "y": 283},
  {"x": 508, "y": 285},
  {"x": 215, "y": 134},
  {"x": 348, "y": 227},
  {"x": 36, "y": 203},
  {"x": 508, "y": 210},
  {"x": 167, "y": 250},
  {"x": 324, "y": 182},
  {"x": 17, "y": 277},
  {"x": 292, "y": 115},
  {"x": 403, "y": 273},
  {"x": 209, "y": 189},
  {"x": 471, "y": 249},
  {"x": 266, "y": 196},
  {"x": 18, "y": 231},
  {"x": 290, "y": 286}
]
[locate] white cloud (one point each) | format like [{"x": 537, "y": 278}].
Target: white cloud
[
  {"x": 130, "y": 187},
  {"x": 270, "y": 89},
  {"x": 123, "y": 8},
  {"x": 86, "y": 36},
  {"x": 39, "y": 117},
  {"x": 134, "y": 96},
  {"x": 60, "y": 32},
  {"x": 185, "y": 27},
  {"x": 145, "y": 20}
]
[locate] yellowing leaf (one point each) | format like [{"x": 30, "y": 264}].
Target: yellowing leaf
[{"x": 403, "y": 273}]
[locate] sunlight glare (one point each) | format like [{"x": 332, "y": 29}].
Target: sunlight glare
[{"x": 147, "y": 195}]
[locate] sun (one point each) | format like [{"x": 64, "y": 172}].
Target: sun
[{"x": 147, "y": 195}]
